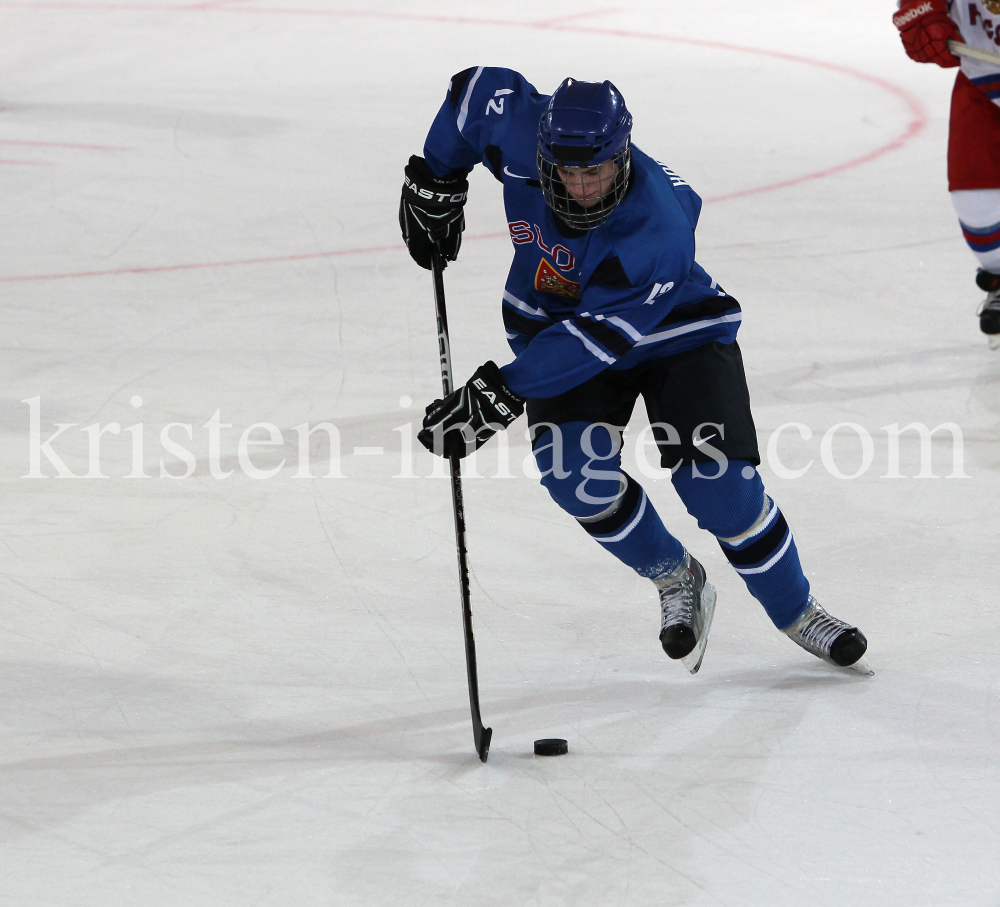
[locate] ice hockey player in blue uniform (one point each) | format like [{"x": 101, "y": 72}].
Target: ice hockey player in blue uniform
[{"x": 605, "y": 302}]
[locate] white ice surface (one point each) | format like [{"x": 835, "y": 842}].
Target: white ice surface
[{"x": 232, "y": 691}]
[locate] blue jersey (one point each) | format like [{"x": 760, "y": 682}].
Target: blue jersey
[{"x": 578, "y": 302}]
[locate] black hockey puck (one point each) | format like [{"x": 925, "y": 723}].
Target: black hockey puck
[{"x": 551, "y": 746}]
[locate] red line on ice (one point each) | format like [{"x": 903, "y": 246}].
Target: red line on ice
[
  {"x": 64, "y": 145},
  {"x": 918, "y": 115},
  {"x": 194, "y": 266},
  {"x": 25, "y": 163},
  {"x": 590, "y": 14}
]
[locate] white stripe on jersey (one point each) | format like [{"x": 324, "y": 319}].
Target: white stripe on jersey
[
  {"x": 688, "y": 328},
  {"x": 614, "y": 319},
  {"x": 524, "y": 307},
  {"x": 463, "y": 114},
  {"x": 624, "y": 325},
  {"x": 971, "y": 18},
  {"x": 596, "y": 350}
]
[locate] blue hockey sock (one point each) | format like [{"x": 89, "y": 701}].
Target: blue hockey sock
[
  {"x": 633, "y": 532},
  {"x": 580, "y": 465},
  {"x": 753, "y": 535}
]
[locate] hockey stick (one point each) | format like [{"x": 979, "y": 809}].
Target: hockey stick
[
  {"x": 965, "y": 50},
  {"x": 482, "y": 735}
]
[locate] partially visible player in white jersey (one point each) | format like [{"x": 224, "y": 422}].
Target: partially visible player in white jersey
[{"x": 925, "y": 27}]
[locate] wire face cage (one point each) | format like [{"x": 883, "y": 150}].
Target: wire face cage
[{"x": 598, "y": 190}]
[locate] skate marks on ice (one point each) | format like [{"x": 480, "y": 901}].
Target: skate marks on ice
[
  {"x": 874, "y": 375},
  {"x": 135, "y": 117},
  {"x": 668, "y": 774},
  {"x": 984, "y": 390},
  {"x": 151, "y": 734},
  {"x": 147, "y": 735},
  {"x": 933, "y": 386},
  {"x": 660, "y": 773}
]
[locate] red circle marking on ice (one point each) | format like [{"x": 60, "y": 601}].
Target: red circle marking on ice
[
  {"x": 918, "y": 115},
  {"x": 8, "y": 163},
  {"x": 72, "y": 145}
]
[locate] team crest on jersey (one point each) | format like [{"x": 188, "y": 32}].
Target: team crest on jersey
[
  {"x": 549, "y": 280},
  {"x": 992, "y": 5}
]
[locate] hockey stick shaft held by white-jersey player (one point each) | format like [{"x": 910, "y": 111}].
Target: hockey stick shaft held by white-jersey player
[{"x": 964, "y": 50}]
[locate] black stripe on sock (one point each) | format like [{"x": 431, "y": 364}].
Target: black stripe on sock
[
  {"x": 760, "y": 550},
  {"x": 630, "y": 498}
]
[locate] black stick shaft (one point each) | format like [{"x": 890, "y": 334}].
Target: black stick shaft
[{"x": 481, "y": 734}]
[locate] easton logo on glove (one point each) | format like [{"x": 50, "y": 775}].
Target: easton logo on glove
[
  {"x": 443, "y": 198},
  {"x": 467, "y": 418},
  {"x": 431, "y": 214},
  {"x": 502, "y": 409}
]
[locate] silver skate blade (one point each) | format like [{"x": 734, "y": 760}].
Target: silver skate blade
[
  {"x": 994, "y": 340},
  {"x": 861, "y": 666},
  {"x": 692, "y": 661}
]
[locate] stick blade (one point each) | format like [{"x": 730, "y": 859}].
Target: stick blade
[{"x": 483, "y": 743}]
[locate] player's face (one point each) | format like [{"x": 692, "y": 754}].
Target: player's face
[{"x": 588, "y": 185}]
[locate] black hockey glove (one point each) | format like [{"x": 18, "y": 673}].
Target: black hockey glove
[
  {"x": 467, "y": 418},
  {"x": 430, "y": 212}
]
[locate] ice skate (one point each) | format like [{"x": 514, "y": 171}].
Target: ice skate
[
  {"x": 826, "y": 637},
  {"x": 687, "y": 604},
  {"x": 989, "y": 310}
]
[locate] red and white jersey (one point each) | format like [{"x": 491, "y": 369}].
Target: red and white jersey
[{"x": 979, "y": 22}]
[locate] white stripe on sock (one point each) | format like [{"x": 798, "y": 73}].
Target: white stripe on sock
[
  {"x": 763, "y": 568},
  {"x": 606, "y": 540}
]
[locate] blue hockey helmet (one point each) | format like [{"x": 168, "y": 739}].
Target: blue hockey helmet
[{"x": 585, "y": 126}]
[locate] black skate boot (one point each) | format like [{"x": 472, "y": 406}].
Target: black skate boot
[
  {"x": 687, "y": 604},
  {"x": 989, "y": 310},
  {"x": 826, "y": 637}
]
